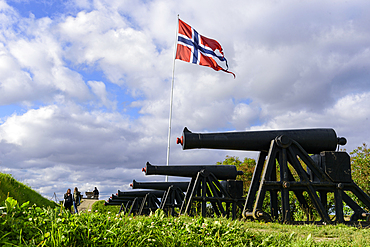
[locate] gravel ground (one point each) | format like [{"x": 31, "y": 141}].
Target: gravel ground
[{"x": 86, "y": 204}]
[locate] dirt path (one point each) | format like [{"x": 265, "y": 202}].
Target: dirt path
[{"x": 86, "y": 205}]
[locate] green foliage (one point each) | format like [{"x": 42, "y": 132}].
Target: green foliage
[
  {"x": 22, "y": 193},
  {"x": 360, "y": 165},
  {"x": 247, "y": 166},
  {"x": 35, "y": 226}
]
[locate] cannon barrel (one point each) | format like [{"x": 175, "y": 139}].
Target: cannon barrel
[
  {"x": 313, "y": 141},
  {"x": 111, "y": 203},
  {"x": 159, "y": 185},
  {"x": 141, "y": 193},
  {"x": 221, "y": 172},
  {"x": 123, "y": 198}
]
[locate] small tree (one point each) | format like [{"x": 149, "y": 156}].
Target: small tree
[
  {"x": 360, "y": 164},
  {"x": 247, "y": 166}
]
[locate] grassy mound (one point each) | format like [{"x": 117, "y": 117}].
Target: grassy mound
[{"x": 20, "y": 192}]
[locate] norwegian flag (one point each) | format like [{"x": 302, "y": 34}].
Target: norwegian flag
[{"x": 195, "y": 48}]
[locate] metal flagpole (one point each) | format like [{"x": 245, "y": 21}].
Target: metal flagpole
[{"x": 171, "y": 98}]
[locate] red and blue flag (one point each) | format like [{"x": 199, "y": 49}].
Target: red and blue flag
[{"x": 195, "y": 48}]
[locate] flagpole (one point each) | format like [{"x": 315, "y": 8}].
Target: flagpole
[{"x": 171, "y": 98}]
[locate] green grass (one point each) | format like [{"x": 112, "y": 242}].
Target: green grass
[
  {"x": 21, "y": 192},
  {"x": 99, "y": 206},
  {"x": 21, "y": 225},
  {"x": 26, "y": 224}
]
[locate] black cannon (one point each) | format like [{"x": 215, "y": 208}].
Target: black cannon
[
  {"x": 111, "y": 202},
  {"x": 220, "y": 172},
  {"x": 279, "y": 170},
  {"x": 140, "y": 193},
  {"x": 173, "y": 197},
  {"x": 137, "y": 202},
  {"x": 312, "y": 141},
  {"x": 204, "y": 187},
  {"x": 126, "y": 203},
  {"x": 159, "y": 185},
  {"x": 124, "y": 198}
]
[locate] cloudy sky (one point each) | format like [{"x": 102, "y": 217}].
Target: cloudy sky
[{"x": 85, "y": 85}]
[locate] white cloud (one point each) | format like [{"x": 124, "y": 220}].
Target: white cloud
[
  {"x": 99, "y": 90},
  {"x": 115, "y": 47},
  {"x": 33, "y": 68},
  {"x": 69, "y": 135},
  {"x": 15, "y": 83},
  {"x": 349, "y": 117},
  {"x": 86, "y": 4},
  {"x": 244, "y": 115}
]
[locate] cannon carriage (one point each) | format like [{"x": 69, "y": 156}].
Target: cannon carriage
[
  {"x": 173, "y": 197},
  {"x": 136, "y": 202},
  {"x": 205, "y": 187}
]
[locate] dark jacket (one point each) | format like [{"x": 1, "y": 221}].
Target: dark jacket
[
  {"x": 96, "y": 192},
  {"x": 67, "y": 200}
]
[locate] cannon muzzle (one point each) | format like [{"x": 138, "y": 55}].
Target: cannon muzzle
[
  {"x": 159, "y": 185},
  {"x": 313, "y": 141},
  {"x": 221, "y": 172}
]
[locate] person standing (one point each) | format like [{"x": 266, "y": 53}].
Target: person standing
[
  {"x": 68, "y": 200},
  {"x": 76, "y": 199},
  {"x": 96, "y": 193}
]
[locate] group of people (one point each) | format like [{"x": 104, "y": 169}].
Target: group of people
[
  {"x": 75, "y": 199},
  {"x": 72, "y": 199}
]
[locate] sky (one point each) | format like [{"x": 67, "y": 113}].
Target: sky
[{"x": 85, "y": 85}]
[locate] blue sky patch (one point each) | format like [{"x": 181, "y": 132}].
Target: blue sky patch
[
  {"x": 39, "y": 9},
  {"x": 8, "y": 110}
]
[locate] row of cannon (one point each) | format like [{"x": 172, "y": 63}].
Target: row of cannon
[
  {"x": 299, "y": 163},
  {"x": 176, "y": 198}
]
